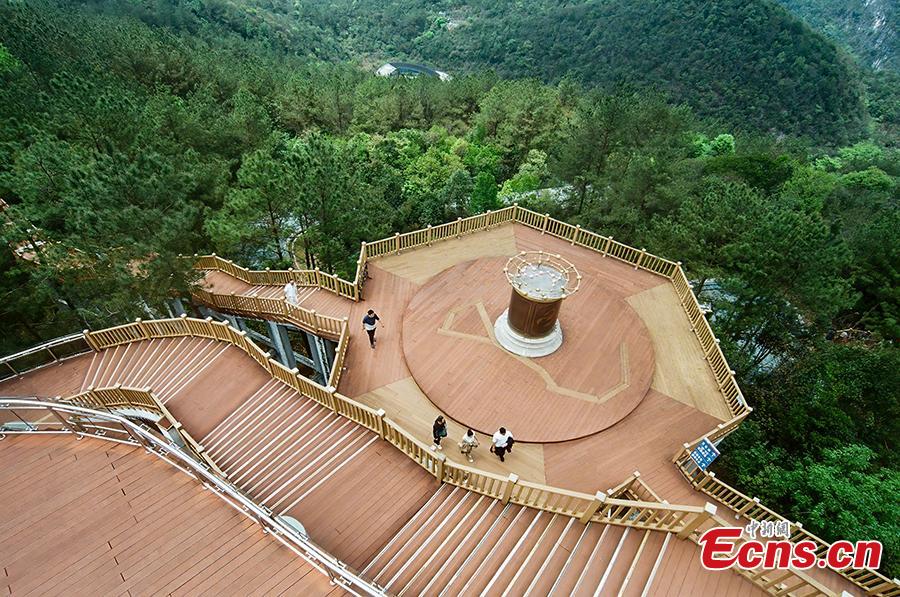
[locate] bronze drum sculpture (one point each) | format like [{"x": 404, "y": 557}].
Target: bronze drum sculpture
[{"x": 540, "y": 282}]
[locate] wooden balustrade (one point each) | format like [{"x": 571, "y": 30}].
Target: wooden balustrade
[
  {"x": 525, "y": 493},
  {"x": 873, "y": 582},
  {"x": 337, "y": 368},
  {"x": 117, "y": 398},
  {"x": 309, "y": 320},
  {"x": 269, "y": 277}
]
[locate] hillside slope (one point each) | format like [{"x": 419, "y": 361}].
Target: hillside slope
[
  {"x": 868, "y": 28},
  {"x": 747, "y": 61}
]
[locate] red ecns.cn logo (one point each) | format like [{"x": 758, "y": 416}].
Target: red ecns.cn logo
[{"x": 721, "y": 549}]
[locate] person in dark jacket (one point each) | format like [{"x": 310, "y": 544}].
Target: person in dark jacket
[
  {"x": 369, "y": 324},
  {"x": 438, "y": 432}
]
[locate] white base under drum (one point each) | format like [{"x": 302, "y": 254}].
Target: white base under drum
[{"x": 524, "y": 346}]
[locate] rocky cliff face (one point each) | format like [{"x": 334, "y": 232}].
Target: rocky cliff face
[{"x": 867, "y": 28}]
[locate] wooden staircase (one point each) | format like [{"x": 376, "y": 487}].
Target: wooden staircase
[
  {"x": 168, "y": 366},
  {"x": 460, "y": 543},
  {"x": 279, "y": 446}
]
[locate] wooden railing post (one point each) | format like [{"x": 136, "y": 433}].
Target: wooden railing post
[
  {"x": 544, "y": 223},
  {"x": 487, "y": 219},
  {"x": 440, "y": 459},
  {"x": 606, "y": 245},
  {"x": 515, "y": 212},
  {"x": 508, "y": 488},
  {"x": 640, "y": 258},
  {"x": 575, "y": 234},
  {"x": 329, "y": 391},
  {"x": 458, "y": 227},
  {"x": 90, "y": 341},
  {"x": 750, "y": 504},
  {"x": 599, "y": 500},
  {"x": 397, "y": 243},
  {"x": 144, "y": 334},
  {"x": 709, "y": 510},
  {"x": 315, "y": 319},
  {"x": 428, "y": 235},
  {"x": 707, "y": 478},
  {"x": 318, "y": 278},
  {"x": 379, "y": 422}
]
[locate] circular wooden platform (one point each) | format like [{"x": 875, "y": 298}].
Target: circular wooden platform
[{"x": 599, "y": 375}]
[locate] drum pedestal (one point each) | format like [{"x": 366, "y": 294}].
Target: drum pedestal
[{"x": 526, "y": 346}]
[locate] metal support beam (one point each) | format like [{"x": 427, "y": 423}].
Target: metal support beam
[
  {"x": 317, "y": 351},
  {"x": 329, "y": 350},
  {"x": 282, "y": 344},
  {"x": 178, "y": 307}
]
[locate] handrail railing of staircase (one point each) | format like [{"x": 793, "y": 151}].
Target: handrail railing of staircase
[
  {"x": 871, "y": 581},
  {"x": 276, "y": 308},
  {"x": 340, "y": 353},
  {"x": 114, "y": 399},
  {"x": 47, "y": 352},
  {"x": 673, "y": 518},
  {"x": 70, "y": 418}
]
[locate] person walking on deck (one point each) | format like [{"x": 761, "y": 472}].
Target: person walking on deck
[
  {"x": 438, "y": 432},
  {"x": 369, "y": 324},
  {"x": 290, "y": 292},
  {"x": 468, "y": 443},
  {"x": 502, "y": 442}
]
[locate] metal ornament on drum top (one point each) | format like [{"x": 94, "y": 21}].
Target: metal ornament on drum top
[
  {"x": 541, "y": 276},
  {"x": 540, "y": 281}
]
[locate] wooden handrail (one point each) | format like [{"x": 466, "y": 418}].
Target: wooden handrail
[
  {"x": 279, "y": 309},
  {"x": 267, "y": 277},
  {"x": 340, "y": 353},
  {"x": 871, "y": 581},
  {"x": 118, "y": 397},
  {"x": 647, "y": 515}
]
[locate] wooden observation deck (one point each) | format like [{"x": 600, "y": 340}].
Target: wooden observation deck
[{"x": 639, "y": 378}]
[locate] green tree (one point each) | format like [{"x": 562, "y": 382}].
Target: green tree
[{"x": 484, "y": 194}]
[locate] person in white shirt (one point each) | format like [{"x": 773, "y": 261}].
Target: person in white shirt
[
  {"x": 290, "y": 292},
  {"x": 502, "y": 442},
  {"x": 468, "y": 443}
]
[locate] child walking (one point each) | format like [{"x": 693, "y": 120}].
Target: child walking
[{"x": 467, "y": 444}]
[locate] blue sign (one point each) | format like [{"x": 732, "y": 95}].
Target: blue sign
[{"x": 704, "y": 454}]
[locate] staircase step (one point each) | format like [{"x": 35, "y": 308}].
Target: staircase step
[
  {"x": 519, "y": 560},
  {"x": 605, "y": 574},
  {"x": 387, "y": 553},
  {"x": 467, "y": 537},
  {"x": 536, "y": 559},
  {"x": 639, "y": 575},
  {"x": 556, "y": 559},
  {"x": 593, "y": 534},
  {"x": 417, "y": 542},
  {"x": 506, "y": 550},
  {"x": 511, "y": 513},
  {"x": 423, "y": 559}
]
